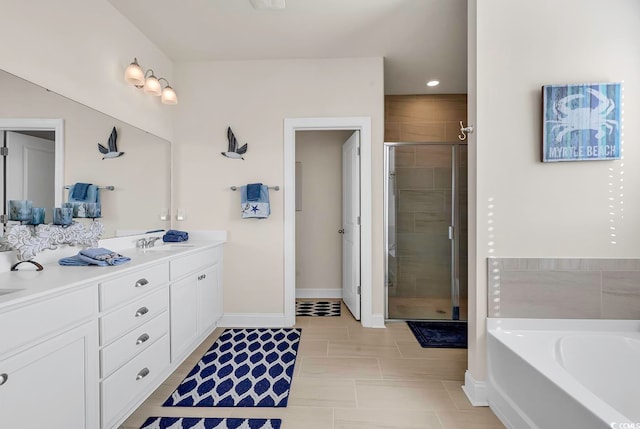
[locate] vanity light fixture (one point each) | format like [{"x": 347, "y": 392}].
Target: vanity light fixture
[{"x": 135, "y": 75}]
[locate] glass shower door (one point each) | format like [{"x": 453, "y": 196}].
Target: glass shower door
[{"x": 422, "y": 200}]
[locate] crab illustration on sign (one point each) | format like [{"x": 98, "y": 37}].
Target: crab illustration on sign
[{"x": 581, "y": 122}]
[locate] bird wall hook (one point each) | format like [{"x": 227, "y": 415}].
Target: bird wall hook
[
  {"x": 234, "y": 151},
  {"x": 112, "y": 150}
]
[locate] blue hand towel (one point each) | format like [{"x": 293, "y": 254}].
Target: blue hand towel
[
  {"x": 73, "y": 261},
  {"x": 260, "y": 209},
  {"x": 253, "y": 191},
  {"x": 98, "y": 256},
  {"x": 79, "y": 191},
  {"x": 174, "y": 235},
  {"x": 91, "y": 194}
]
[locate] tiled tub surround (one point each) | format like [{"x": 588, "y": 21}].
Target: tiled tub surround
[{"x": 564, "y": 288}]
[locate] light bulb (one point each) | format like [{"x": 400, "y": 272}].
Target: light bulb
[
  {"x": 152, "y": 86},
  {"x": 134, "y": 74},
  {"x": 169, "y": 96}
]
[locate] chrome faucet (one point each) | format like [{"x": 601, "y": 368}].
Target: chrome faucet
[
  {"x": 152, "y": 241},
  {"x": 144, "y": 243}
]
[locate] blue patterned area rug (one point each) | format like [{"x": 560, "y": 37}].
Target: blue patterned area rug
[
  {"x": 440, "y": 334},
  {"x": 209, "y": 423},
  {"x": 243, "y": 368}
]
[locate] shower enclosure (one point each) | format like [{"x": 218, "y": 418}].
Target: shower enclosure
[{"x": 426, "y": 230}]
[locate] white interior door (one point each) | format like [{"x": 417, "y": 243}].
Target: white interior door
[{"x": 351, "y": 224}]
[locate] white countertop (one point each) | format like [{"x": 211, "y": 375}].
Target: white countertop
[{"x": 56, "y": 278}]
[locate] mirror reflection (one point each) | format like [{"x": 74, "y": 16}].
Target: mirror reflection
[
  {"x": 39, "y": 170},
  {"x": 31, "y": 167}
]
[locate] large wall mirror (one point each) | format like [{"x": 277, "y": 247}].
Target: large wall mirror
[{"x": 60, "y": 137}]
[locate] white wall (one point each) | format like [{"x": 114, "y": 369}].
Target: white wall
[
  {"x": 80, "y": 49},
  {"x": 318, "y": 244},
  {"x": 560, "y": 209},
  {"x": 254, "y": 97}
]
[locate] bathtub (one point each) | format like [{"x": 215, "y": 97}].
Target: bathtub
[{"x": 563, "y": 373}]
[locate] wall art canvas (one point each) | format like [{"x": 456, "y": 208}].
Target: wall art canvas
[{"x": 581, "y": 122}]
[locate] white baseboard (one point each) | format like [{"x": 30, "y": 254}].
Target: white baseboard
[
  {"x": 318, "y": 293},
  {"x": 252, "y": 320},
  {"x": 475, "y": 390},
  {"x": 377, "y": 321}
]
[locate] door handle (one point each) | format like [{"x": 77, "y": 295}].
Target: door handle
[{"x": 341, "y": 231}]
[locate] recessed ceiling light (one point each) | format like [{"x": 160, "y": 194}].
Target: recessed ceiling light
[
  {"x": 268, "y": 4},
  {"x": 433, "y": 83}
]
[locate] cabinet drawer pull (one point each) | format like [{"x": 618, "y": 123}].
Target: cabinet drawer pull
[
  {"x": 142, "y": 282},
  {"x": 3, "y": 378},
  {"x": 142, "y": 339},
  {"x": 142, "y": 374},
  {"x": 142, "y": 311}
]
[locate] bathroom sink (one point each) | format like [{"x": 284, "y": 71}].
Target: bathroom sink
[
  {"x": 8, "y": 291},
  {"x": 174, "y": 247}
]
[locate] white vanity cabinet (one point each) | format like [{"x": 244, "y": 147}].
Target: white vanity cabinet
[
  {"x": 196, "y": 299},
  {"x": 49, "y": 362},
  {"x": 134, "y": 339},
  {"x": 82, "y": 348}
]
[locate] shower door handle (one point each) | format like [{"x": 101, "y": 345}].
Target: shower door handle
[{"x": 450, "y": 232}]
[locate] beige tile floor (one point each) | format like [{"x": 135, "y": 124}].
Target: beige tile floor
[{"x": 350, "y": 377}]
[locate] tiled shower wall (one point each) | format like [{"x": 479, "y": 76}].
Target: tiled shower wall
[{"x": 564, "y": 288}]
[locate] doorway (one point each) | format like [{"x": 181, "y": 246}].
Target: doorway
[
  {"x": 426, "y": 231},
  {"x": 363, "y": 126},
  {"x": 319, "y": 214}
]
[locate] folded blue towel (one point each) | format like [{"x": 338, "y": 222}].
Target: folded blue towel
[
  {"x": 260, "y": 209},
  {"x": 97, "y": 256},
  {"x": 79, "y": 191},
  {"x": 174, "y": 235},
  {"x": 101, "y": 254},
  {"x": 73, "y": 261},
  {"x": 253, "y": 191}
]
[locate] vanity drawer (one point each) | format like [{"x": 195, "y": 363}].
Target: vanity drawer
[
  {"x": 125, "y": 288},
  {"x": 133, "y": 315},
  {"x": 133, "y": 343},
  {"x": 26, "y": 324},
  {"x": 190, "y": 263},
  {"x": 126, "y": 386}
]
